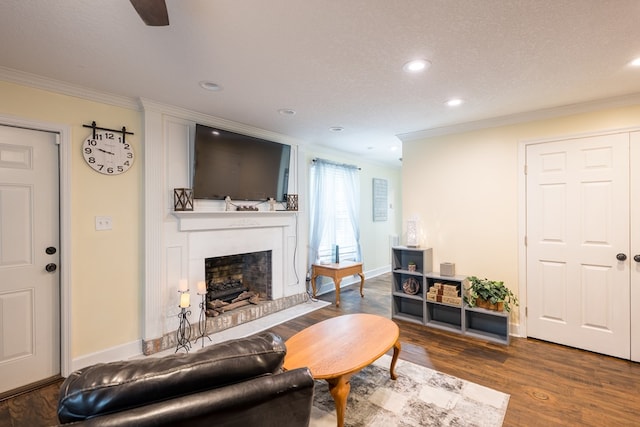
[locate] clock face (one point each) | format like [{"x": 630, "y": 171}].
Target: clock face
[{"x": 107, "y": 153}]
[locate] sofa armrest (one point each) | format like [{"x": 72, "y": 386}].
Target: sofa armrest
[
  {"x": 112, "y": 387},
  {"x": 280, "y": 400}
]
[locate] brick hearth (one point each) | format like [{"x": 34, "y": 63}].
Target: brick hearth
[{"x": 224, "y": 321}]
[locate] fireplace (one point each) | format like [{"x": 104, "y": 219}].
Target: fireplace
[{"x": 229, "y": 276}]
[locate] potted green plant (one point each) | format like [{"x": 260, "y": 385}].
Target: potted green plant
[
  {"x": 490, "y": 294},
  {"x": 412, "y": 266}
]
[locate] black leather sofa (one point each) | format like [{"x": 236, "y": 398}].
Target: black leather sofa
[{"x": 236, "y": 383}]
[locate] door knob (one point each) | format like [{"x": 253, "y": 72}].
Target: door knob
[
  {"x": 621, "y": 257},
  {"x": 51, "y": 267},
  {"x": 636, "y": 258},
  {"x": 50, "y": 250}
]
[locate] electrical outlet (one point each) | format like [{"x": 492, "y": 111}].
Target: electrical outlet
[{"x": 103, "y": 223}]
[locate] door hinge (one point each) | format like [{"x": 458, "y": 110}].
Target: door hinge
[
  {"x": 525, "y": 240},
  {"x": 525, "y": 169},
  {"x": 526, "y": 312}
]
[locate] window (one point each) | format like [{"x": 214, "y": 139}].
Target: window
[{"x": 335, "y": 206}]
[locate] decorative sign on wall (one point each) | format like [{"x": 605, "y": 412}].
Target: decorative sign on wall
[{"x": 379, "y": 199}]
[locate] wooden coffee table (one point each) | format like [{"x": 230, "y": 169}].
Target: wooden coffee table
[{"x": 337, "y": 348}]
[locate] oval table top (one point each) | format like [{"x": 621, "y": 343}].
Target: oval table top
[{"x": 341, "y": 345}]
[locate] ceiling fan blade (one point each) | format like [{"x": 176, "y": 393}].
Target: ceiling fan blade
[{"x": 152, "y": 12}]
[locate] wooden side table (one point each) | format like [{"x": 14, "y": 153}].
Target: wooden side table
[{"x": 336, "y": 271}]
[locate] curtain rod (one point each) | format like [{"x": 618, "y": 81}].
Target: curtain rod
[{"x": 346, "y": 165}]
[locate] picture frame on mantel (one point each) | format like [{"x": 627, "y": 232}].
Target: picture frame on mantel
[{"x": 379, "y": 199}]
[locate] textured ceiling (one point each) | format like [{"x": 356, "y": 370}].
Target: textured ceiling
[{"x": 336, "y": 62}]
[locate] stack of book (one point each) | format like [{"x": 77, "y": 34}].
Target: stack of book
[{"x": 441, "y": 292}]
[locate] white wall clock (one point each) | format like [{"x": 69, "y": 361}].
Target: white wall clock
[{"x": 107, "y": 153}]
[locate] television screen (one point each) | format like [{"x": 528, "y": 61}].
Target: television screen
[{"x": 239, "y": 166}]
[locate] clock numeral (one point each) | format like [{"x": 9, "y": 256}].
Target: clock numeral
[
  {"x": 105, "y": 135},
  {"x": 120, "y": 169},
  {"x": 91, "y": 159},
  {"x": 129, "y": 155},
  {"x": 126, "y": 146},
  {"x": 110, "y": 170},
  {"x": 126, "y": 163},
  {"x": 92, "y": 141},
  {"x": 88, "y": 150}
]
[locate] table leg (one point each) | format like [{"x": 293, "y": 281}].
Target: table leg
[
  {"x": 361, "y": 283},
  {"x": 337, "y": 281},
  {"x": 339, "y": 389},
  {"x": 313, "y": 283},
  {"x": 394, "y": 359}
]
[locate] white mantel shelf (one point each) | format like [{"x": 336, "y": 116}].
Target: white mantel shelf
[{"x": 219, "y": 220}]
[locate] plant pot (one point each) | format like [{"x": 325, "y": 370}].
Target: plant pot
[
  {"x": 482, "y": 303},
  {"x": 412, "y": 267}
]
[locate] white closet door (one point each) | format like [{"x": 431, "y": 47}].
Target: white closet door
[
  {"x": 635, "y": 245},
  {"x": 577, "y": 222}
]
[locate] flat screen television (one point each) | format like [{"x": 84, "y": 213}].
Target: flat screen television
[{"x": 239, "y": 166}]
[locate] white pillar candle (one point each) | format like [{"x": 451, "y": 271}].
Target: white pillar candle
[
  {"x": 184, "y": 300},
  {"x": 183, "y": 286},
  {"x": 202, "y": 287}
]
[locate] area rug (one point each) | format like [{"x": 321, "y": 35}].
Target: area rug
[{"x": 419, "y": 397}]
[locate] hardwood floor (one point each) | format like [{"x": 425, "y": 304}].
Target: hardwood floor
[{"x": 549, "y": 384}]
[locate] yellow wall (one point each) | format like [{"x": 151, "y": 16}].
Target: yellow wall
[
  {"x": 464, "y": 189},
  {"x": 106, "y": 283}
]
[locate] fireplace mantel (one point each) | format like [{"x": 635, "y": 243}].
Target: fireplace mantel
[{"x": 224, "y": 220}]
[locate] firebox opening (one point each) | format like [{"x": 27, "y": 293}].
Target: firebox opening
[{"x": 229, "y": 276}]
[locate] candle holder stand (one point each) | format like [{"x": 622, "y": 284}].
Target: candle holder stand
[
  {"x": 184, "y": 330},
  {"x": 202, "y": 321}
]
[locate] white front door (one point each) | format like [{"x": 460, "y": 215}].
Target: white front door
[
  {"x": 29, "y": 257},
  {"x": 578, "y": 292}
]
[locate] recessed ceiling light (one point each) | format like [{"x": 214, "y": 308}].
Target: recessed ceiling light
[
  {"x": 393, "y": 148},
  {"x": 454, "y": 102},
  {"x": 210, "y": 86},
  {"x": 287, "y": 111},
  {"x": 635, "y": 62},
  {"x": 336, "y": 129},
  {"x": 416, "y": 65}
]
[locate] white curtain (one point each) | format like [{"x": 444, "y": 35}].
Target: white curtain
[{"x": 335, "y": 210}]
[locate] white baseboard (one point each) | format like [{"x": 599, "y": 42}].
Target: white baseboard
[
  {"x": 120, "y": 352},
  {"x": 515, "y": 331}
]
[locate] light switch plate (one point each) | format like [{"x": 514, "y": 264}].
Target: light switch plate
[{"x": 103, "y": 223}]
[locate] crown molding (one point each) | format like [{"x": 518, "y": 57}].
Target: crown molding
[
  {"x": 32, "y": 80},
  {"x": 217, "y": 122},
  {"x": 530, "y": 116}
]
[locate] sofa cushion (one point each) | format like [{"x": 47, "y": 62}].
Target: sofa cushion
[
  {"x": 280, "y": 400},
  {"x": 116, "y": 386}
]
